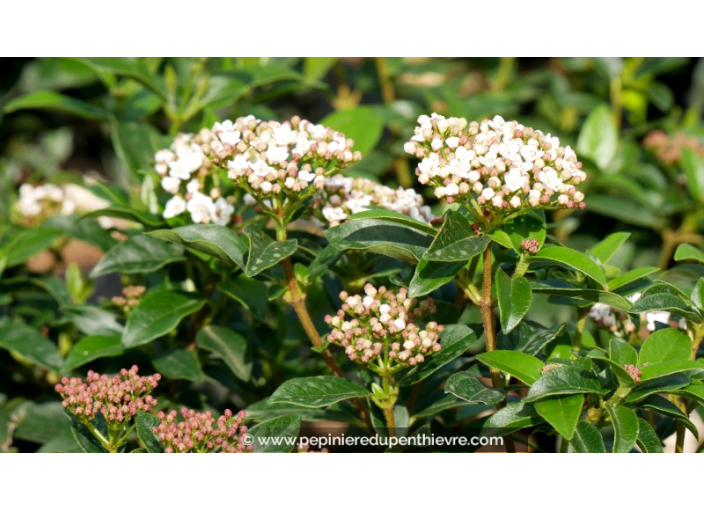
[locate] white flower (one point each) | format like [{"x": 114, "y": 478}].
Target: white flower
[
  {"x": 192, "y": 186},
  {"x": 515, "y": 179},
  {"x": 276, "y": 154},
  {"x": 284, "y": 135},
  {"x": 171, "y": 184},
  {"x": 515, "y": 202},
  {"x": 452, "y": 189},
  {"x": 201, "y": 208},
  {"x": 452, "y": 142},
  {"x": 400, "y": 323},
  {"x": 306, "y": 176},
  {"x": 223, "y": 212},
  {"x": 487, "y": 194},
  {"x": 175, "y": 206},
  {"x": 550, "y": 179},
  {"x": 530, "y": 153}
]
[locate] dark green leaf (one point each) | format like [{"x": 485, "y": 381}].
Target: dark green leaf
[
  {"x": 264, "y": 252},
  {"x": 179, "y": 364},
  {"x": 429, "y": 276},
  {"x": 648, "y": 440},
  {"x": 572, "y": 259},
  {"x": 562, "y": 413},
  {"x": 215, "y": 240},
  {"x": 23, "y": 244},
  {"x": 138, "y": 254},
  {"x": 90, "y": 348},
  {"x": 665, "y": 384},
  {"x": 94, "y": 321},
  {"x": 565, "y": 380},
  {"x": 31, "y": 345},
  {"x": 514, "y": 296},
  {"x": 282, "y": 430},
  {"x": 48, "y": 100},
  {"x": 468, "y": 387},
  {"x": 564, "y": 289},
  {"x": 626, "y": 427},
  {"x": 525, "y": 227},
  {"x": 157, "y": 314},
  {"x": 511, "y": 418},
  {"x": 250, "y": 293},
  {"x": 456, "y": 241},
  {"x": 145, "y": 423},
  {"x": 665, "y": 302},
  {"x": 533, "y": 337},
  {"x": 318, "y": 391},
  {"x": 587, "y": 439},
  {"x": 228, "y": 345}
]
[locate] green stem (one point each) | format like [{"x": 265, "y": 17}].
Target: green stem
[
  {"x": 582, "y": 314},
  {"x": 503, "y": 73},
  {"x": 389, "y": 407}
]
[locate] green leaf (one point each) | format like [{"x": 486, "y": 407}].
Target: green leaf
[
  {"x": 90, "y": 348},
  {"x": 622, "y": 352},
  {"x": 648, "y": 440},
  {"x": 390, "y": 236},
  {"x": 23, "y": 244},
  {"x": 429, "y": 276},
  {"x": 562, "y": 413},
  {"x": 215, "y": 240},
  {"x": 667, "y": 384},
  {"x": 91, "y": 320},
  {"x": 524, "y": 227},
  {"x": 533, "y": 337},
  {"x": 145, "y": 423},
  {"x": 587, "y": 439},
  {"x": 363, "y": 124},
  {"x": 689, "y": 252},
  {"x": 456, "y": 241},
  {"x": 282, "y": 430},
  {"x": 665, "y": 302},
  {"x": 511, "y": 418},
  {"x": 49, "y": 100},
  {"x": 667, "y": 408},
  {"x": 318, "y": 391},
  {"x": 693, "y": 166},
  {"x": 514, "y": 296},
  {"x": 85, "y": 439},
  {"x": 626, "y": 428},
  {"x": 127, "y": 213},
  {"x": 179, "y": 364},
  {"x": 624, "y": 378},
  {"x": 157, "y": 314},
  {"x": 264, "y": 252},
  {"x": 631, "y": 276},
  {"x": 688, "y": 367},
  {"x": 250, "y": 293},
  {"x": 520, "y": 365},
  {"x": 31, "y": 345},
  {"x": 694, "y": 391},
  {"x": 697, "y": 295},
  {"x": 598, "y": 139},
  {"x": 564, "y": 289},
  {"x": 667, "y": 344},
  {"x": 572, "y": 259},
  {"x": 316, "y": 68},
  {"x": 138, "y": 254},
  {"x": 468, "y": 387},
  {"x": 455, "y": 339},
  {"x": 135, "y": 144},
  {"x": 607, "y": 248},
  {"x": 131, "y": 67},
  {"x": 564, "y": 380},
  {"x": 231, "y": 347}
]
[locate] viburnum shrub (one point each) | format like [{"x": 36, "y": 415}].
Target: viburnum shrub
[{"x": 263, "y": 274}]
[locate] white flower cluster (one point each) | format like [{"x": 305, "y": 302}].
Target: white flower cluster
[
  {"x": 37, "y": 203},
  {"x": 343, "y": 196},
  {"x": 183, "y": 169},
  {"x": 502, "y": 164},
  {"x": 268, "y": 158},
  {"x": 613, "y": 320},
  {"x": 384, "y": 324}
]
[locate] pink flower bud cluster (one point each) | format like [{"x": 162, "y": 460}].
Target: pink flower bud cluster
[
  {"x": 383, "y": 326},
  {"x": 343, "y": 196},
  {"x": 118, "y": 397},
  {"x": 634, "y": 372},
  {"x": 271, "y": 158},
  {"x": 503, "y": 165},
  {"x": 669, "y": 149},
  {"x": 184, "y": 171},
  {"x": 201, "y": 432},
  {"x": 130, "y": 297}
]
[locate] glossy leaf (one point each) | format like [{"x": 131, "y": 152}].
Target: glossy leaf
[
  {"x": 587, "y": 439},
  {"x": 250, "y": 293},
  {"x": 667, "y": 344},
  {"x": 689, "y": 252},
  {"x": 562, "y": 413},
  {"x": 429, "y": 276},
  {"x": 693, "y": 166},
  {"x": 525, "y": 227},
  {"x": 622, "y": 352},
  {"x": 284, "y": 429},
  {"x": 91, "y": 320},
  {"x": 598, "y": 139},
  {"x": 572, "y": 259},
  {"x": 511, "y": 418},
  {"x": 90, "y": 348},
  {"x": 317, "y": 391},
  {"x": 138, "y": 254},
  {"x": 31, "y": 345},
  {"x": 665, "y": 384},
  {"x": 665, "y": 302},
  {"x": 626, "y": 428},
  {"x": 631, "y": 276},
  {"x": 50, "y": 100},
  {"x": 264, "y": 252},
  {"x": 157, "y": 314},
  {"x": 21, "y": 245},
  {"x": 607, "y": 248},
  {"x": 687, "y": 367},
  {"x": 514, "y": 296},
  {"x": 215, "y": 240},
  {"x": 648, "y": 441},
  {"x": 456, "y": 241},
  {"x": 564, "y": 380},
  {"x": 520, "y": 365},
  {"x": 179, "y": 364},
  {"x": 144, "y": 425},
  {"x": 231, "y": 347},
  {"x": 563, "y": 289},
  {"x": 468, "y": 387}
]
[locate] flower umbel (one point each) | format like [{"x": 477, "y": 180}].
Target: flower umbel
[
  {"x": 202, "y": 432},
  {"x": 495, "y": 167},
  {"x": 385, "y": 329}
]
